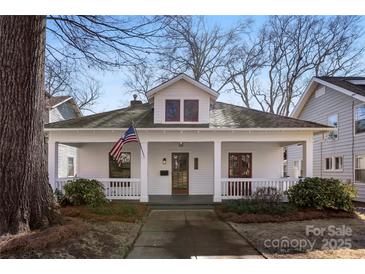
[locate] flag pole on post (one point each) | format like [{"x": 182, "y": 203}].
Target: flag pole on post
[{"x": 139, "y": 141}]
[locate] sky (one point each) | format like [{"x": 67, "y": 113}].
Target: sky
[{"x": 114, "y": 94}]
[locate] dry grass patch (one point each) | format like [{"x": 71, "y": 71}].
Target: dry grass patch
[
  {"x": 269, "y": 238},
  {"x": 106, "y": 231},
  {"x": 41, "y": 239},
  {"x": 298, "y": 215},
  {"x": 77, "y": 240},
  {"x": 115, "y": 211}
]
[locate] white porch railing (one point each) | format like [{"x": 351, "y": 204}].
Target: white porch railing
[
  {"x": 114, "y": 188},
  {"x": 238, "y": 188}
]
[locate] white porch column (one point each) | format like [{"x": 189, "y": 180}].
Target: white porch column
[
  {"x": 52, "y": 163},
  {"x": 308, "y": 157},
  {"x": 144, "y": 172},
  {"x": 217, "y": 171}
]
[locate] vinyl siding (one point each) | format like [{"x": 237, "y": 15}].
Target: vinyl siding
[
  {"x": 61, "y": 112},
  {"x": 294, "y": 153},
  {"x": 65, "y": 151},
  {"x": 93, "y": 159},
  {"x": 181, "y": 90},
  {"x": 318, "y": 110}
]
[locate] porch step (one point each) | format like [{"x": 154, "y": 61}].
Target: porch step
[
  {"x": 169, "y": 201},
  {"x": 180, "y": 207}
]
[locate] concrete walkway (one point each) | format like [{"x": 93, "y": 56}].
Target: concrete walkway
[{"x": 189, "y": 234}]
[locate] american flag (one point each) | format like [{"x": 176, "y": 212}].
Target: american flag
[{"x": 129, "y": 136}]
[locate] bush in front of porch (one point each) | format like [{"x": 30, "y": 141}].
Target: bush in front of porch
[
  {"x": 85, "y": 192},
  {"x": 321, "y": 193},
  {"x": 311, "y": 198},
  {"x": 85, "y": 199}
]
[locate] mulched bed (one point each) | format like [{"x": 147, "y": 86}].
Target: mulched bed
[
  {"x": 300, "y": 215},
  {"x": 41, "y": 239},
  {"x": 113, "y": 213}
]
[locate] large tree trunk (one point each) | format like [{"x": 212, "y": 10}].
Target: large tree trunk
[{"x": 26, "y": 199}]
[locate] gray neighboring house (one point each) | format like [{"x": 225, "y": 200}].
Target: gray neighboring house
[
  {"x": 338, "y": 102},
  {"x": 60, "y": 108}
]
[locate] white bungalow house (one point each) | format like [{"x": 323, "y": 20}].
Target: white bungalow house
[{"x": 192, "y": 145}]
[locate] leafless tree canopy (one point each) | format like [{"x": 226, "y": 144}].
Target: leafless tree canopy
[
  {"x": 272, "y": 71},
  {"x": 76, "y": 44},
  {"x": 267, "y": 68},
  {"x": 140, "y": 79},
  {"x": 190, "y": 46}
]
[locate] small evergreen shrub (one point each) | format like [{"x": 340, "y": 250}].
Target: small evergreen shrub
[
  {"x": 265, "y": 200},
  {"x": 322, "y": 193},
  {"x": 85, "y": 192},
  {"x": 258, "y": 207},
  {"x": 268, "y": 194},
  {"x": 61, "y": 198}
]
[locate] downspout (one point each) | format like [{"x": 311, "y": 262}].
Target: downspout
[
  {"x": 321, "y": 157},
  {"x": 353, "y": 141}
]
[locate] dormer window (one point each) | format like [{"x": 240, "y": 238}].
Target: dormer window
[
  {"x": 172, "y": 111},
  {"x": 191, "y": 110}
]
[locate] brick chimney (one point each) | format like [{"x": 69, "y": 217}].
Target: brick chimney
[{"x": 135, "y": 102}]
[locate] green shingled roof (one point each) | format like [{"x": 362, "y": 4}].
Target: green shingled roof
[{"x": 222, "y": 115}]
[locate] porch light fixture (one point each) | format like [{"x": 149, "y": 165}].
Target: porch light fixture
[
  {"x": 181, "y": 144},
  {"x": 164, "y": 161}
]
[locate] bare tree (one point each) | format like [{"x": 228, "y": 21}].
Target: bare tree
[
  {"x": 26, "y": 199},
  {"x": 87, "y": 94},
  {"x": 190, "y": 46},
  {"x": 296, "y": 48},
  {"x": 243, "y": 72},
  {"x": 58, "y": 77},
  {"x": 140, "y": 79},
  {"x": 102, "y": 41},
  {"x": 65, "y": 79},
  {"x": 77, "y": 43}
]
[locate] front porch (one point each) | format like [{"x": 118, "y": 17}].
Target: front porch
[{"x": 231, "y": 166}]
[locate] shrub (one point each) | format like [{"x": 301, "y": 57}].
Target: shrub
[
  {"x": 322, "y": 193},
  {"x": 61, "y": 199},
  {"x": 268, "y": 194},
  {"x": 84, "y": 191},
  {"x": 258, "y": 207}
]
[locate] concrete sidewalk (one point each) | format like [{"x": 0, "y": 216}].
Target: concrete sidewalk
[{"x": 189, "y": 234}]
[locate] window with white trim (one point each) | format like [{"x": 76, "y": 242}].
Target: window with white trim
[
  {"x": 360, "y": 119},
  {"x": 360, "y": 169},
  {"x": 298, "y": 168},
  {"x": 70, "y": 167},
  {"x": 333, "y": 122},
  {"x": 334, "y": 163}
]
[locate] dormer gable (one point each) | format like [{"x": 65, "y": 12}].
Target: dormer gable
[{"x": 181, "y": 100}]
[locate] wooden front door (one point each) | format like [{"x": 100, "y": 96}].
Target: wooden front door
[
  {"x": 180, "y": 173},
  {"x": 240, "y": 166}
]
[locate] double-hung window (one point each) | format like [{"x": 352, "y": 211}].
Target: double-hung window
[
  {"x": 70, "y": 166},
  {"x": 360, "y": 119},
  {"x": 333, "y": 122},
  {"x": 360, "y": 169}
]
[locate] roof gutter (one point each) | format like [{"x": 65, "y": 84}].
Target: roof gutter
[
  {"x": 62, "y": 102},
  {"x": 316, "y": 129}
]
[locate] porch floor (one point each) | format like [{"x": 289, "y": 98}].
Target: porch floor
[{"x": 181, "y": 199}]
